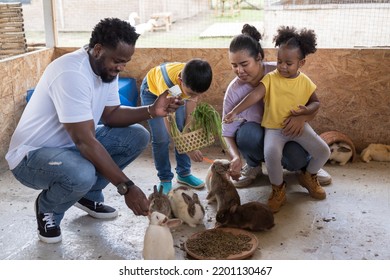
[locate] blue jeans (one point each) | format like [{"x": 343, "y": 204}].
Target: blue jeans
[
  {"x": 161, "y": 140},
  {"x": 65, "y": 175},
  {"x": 250, "y": 142}
]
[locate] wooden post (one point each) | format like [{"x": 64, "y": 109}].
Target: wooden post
[{"x": 50, "y": 19}]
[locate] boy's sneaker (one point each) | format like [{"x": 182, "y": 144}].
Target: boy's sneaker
[
  {"x": 248, "y": 175},
  {"x": 324, "y": 177},
  {"x": 277, "y": 197},
  {"x": 191, "y": 181},
  {"x": 310, "y": 182},
  {"x": 167, "y": 186},
  {"x": 96, "y": 209},
  {"x": 48, "y": 231}
]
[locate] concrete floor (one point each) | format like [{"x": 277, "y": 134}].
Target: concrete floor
[{"x": 351, "y": 224}]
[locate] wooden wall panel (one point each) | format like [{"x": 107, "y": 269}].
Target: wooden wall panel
[
  {"x": 18, "y": 74},
  {"x": 354, "y": 89}
]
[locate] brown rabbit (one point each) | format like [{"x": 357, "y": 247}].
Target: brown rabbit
[
  {"x": 220, "y": 187},
  {"x": 159, "y": 202},
  {"x": 254, "y": 216}
]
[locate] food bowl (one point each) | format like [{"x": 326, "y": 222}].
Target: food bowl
[{"x": 221, "y": 244}]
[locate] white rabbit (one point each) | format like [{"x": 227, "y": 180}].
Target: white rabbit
[
  {"x": 158, "y": 240},
  {"x": 377, "y": 152},
  {"x": 186, "y": 206},
  {"x": 340, "y": 153}
]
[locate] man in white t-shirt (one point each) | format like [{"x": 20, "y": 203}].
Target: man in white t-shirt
[{"x": 60, "y": 148}]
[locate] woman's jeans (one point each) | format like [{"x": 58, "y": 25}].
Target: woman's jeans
[
  {"x": 250, "y": 142},
  {"x": 161, "y": 140},
  {"x": 65, "y": 176}
]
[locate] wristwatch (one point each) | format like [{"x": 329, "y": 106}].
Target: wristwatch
[{"x": 123, "y": 188}]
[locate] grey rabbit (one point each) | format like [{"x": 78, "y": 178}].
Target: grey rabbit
[
  {"x": 254, "y": 216},
  {"x": 159, "y": 202},
  {"x": 220, "y": 187}
]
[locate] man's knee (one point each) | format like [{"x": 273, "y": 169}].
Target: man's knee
[
  {"x": 133, "y": 135},
  {"x": 142, "y": 135},
  {"x": 83, "y": 176}
]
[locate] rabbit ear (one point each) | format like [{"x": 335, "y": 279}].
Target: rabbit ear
[
  {"x": 160, "y": 190},
  {"x": 195, "y": 198},
  {"x": 187, "y": 198},
  {"x": 233, "y": 209},
  {"x": 155, "y": 188},
  {"x": 171, "y": 223}
]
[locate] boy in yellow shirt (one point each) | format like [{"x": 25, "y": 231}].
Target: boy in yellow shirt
[{"x": 193, "y": 78}]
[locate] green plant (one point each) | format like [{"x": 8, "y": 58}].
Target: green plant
[
  {"x": 206, "y": 117},
  {"x": 173, "y": 129},
  {"x": 203, "y": 117}
]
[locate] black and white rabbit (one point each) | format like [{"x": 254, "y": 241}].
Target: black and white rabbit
[
  {"x": 185, "y": 205},
  {"x": 340, "y": 153}
]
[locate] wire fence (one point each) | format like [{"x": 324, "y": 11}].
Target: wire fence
[
  {"x": 213, "y": 23},
  {"x": 338, "y": 24}
]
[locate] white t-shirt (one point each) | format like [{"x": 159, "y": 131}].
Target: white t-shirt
[{"x": 68, "y": 92}]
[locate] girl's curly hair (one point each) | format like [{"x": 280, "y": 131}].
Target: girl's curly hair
[{"x": 304, "y": 39}]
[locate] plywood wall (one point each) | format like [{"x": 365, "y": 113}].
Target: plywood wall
[
  {"x": 353, "y": 87},
  {"x": 17, "y": 76}
]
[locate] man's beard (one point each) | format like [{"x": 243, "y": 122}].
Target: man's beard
[
  {"x": 107, "y": 78},
  {"x": 103, "y": 73}
]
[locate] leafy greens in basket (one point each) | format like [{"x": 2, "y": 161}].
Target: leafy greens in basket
[{"x": 203, "y": 117}]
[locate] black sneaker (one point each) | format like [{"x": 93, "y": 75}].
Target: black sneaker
[
  {"x": 48, "y": 231},
  {"x": 96, "y": 209}
]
